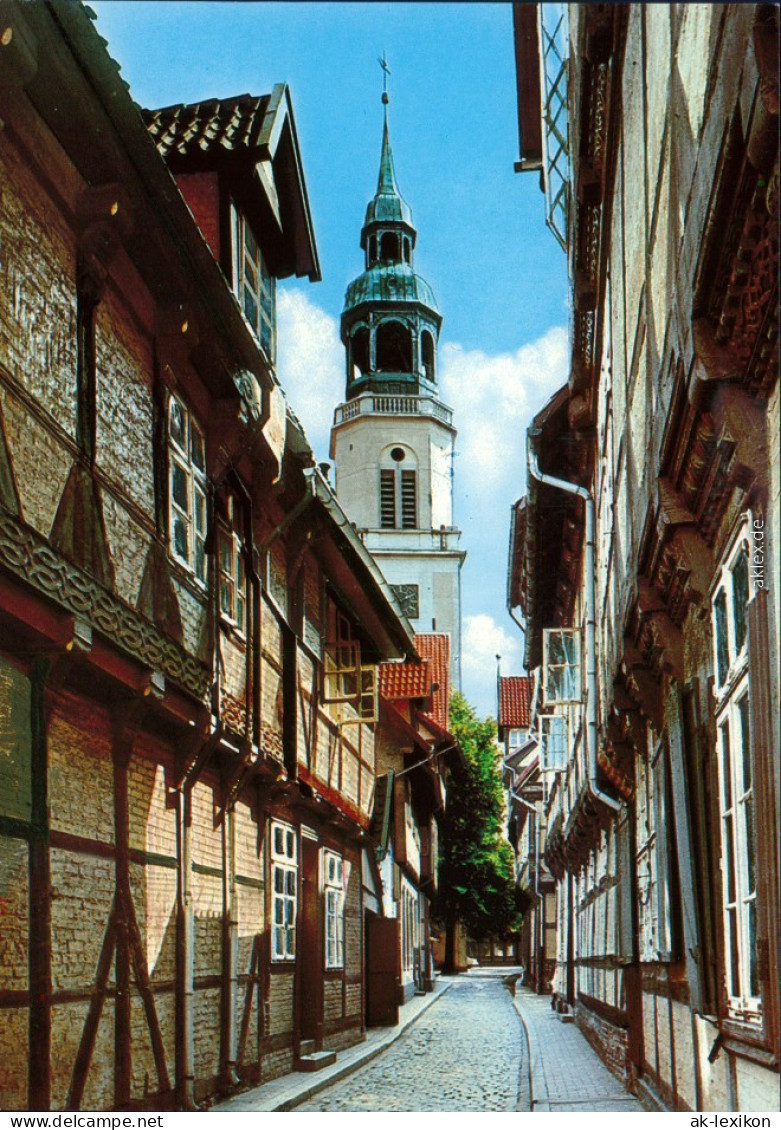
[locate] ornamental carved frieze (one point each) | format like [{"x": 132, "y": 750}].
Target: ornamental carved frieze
[
  {"x": 25, "y": 554},
  {"x": 233, "y": 714}
]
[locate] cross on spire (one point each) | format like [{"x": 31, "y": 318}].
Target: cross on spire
[{"x": 385, "y": 72}]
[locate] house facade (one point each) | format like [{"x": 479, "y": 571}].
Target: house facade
[
  {"x": 646, "y": 551},
  {"x": 190, "y": 629},
  {"x": 414, "y": 748}
]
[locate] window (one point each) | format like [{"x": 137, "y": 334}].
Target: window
[
  {"x": 233, "y": 589},
  {"x": 284, "y": 883},
  {"x": 561, "y": 665},
  {"x": 389, "y": 247},
  {"x": 187, "y": 489},
  {"x": 333, "y": 884},
  {"x": 360, "y": 343},
  {"x": 427, "y": 354},
  {"x": 255, "y": 286},
  {"x": 349, "y": 683},
  {"x": 652, "y": 860},
  {"x": 554, "y": 742},
  {"x": 393, "y": 343},
  {"x": 398, "y": 493},
  {"x": 736, "y": 779}
]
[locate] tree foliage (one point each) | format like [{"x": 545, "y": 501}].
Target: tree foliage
[{"x": 476, "y": 880}]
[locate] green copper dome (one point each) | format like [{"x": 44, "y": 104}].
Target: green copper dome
[{"x": 389, "y": 282}]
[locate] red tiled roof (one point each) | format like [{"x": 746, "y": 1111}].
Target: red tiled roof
[
  {"x": 405, "y": 680},
  {"x": 435, "y": 646},
  {"x": 228, "y": 124},
  {"x": 515, "y": 702}
]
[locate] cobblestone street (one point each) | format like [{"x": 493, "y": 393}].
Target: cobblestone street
[{"x": 464, "y": 1054}]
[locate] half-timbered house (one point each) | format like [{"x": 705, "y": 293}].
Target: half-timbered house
[
  {"x": 189, "y": 627},
  {"x": 646, "y": 558}
]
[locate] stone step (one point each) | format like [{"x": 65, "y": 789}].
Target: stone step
[
  {"x": 315, "y": 1061},
  {"x": 307, "y": 1047}
]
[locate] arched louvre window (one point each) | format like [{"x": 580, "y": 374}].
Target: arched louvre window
[{"x": 398, "y": 491}]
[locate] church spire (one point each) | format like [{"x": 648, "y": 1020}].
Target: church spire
[{"x": 388, "y": 206}]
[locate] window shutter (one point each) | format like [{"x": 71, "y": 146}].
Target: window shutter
[
  {"x": 387, "y": 500},
  {"x": 409, "y": 514}
]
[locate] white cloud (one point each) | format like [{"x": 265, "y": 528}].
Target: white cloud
[
  {"x": 310, "y": 364},
  {"x": 483, "y": 639},
  {"x": 494, "y": 397}
]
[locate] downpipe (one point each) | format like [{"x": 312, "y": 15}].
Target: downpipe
[{"x": 590, "y": 610}]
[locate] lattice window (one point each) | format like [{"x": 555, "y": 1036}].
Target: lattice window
[
  {"x": 333, "y": 886},
  {"x": 255, "y": 285},
  {"x": 233, "y": 581},
  {"x": 554, "y": 742},
  {"x": 187, "y": 489},
  {"x": 348, "y": 682},
  {"x": 736, "y": 778},
  {"x": 554, "y": 46},
  {"x": 284, "y": 891},
  {"x": 561, "y": 666}
]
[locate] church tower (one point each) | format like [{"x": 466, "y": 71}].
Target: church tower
[{"x": 393, "y": 438}]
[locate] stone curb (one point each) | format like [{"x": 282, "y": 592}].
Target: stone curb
[
  {"x": 533, "y": 1073},
  {"x": 299, "y": 1091}
]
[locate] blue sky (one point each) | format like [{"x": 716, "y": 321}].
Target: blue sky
[{"x": 498, "y": 274}]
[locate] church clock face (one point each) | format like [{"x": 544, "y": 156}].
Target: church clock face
[{"x": 407, "y": 596}]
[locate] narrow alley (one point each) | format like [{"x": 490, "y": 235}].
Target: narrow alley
[
  {"x": 476, "y": 1047},
  {"x": 464, "y": 1053}
]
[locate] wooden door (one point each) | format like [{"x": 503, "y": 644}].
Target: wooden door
[
  {"x": 309, "y": 948},
  {"x": 383, "y": 970}
]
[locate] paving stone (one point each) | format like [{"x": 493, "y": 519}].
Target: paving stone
[{"x": 463, "y": 1054}]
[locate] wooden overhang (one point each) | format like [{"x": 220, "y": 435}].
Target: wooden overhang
[
  {"x": 553, "y": 526},
  {"x": 58, "y": 58},
  {"x": 252, "y": 143},
  {"x": 527, "y": 73}
]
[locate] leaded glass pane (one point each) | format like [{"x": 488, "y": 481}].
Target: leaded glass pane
[
  {"x": 179, "y": 488},
  {"x": 740, "y": 597},
  {"x": 722, "y": 652},
  {"x": 178, "y": 424},
  {"x": 180, "y": 537}
]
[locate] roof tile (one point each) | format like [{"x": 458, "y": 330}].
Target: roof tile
[
  {"x": 515, "y": 693},
  {"x": 405, "y": 680},
  {"x": 228, "y": 124},
  {"x": 435, "y": 646}
]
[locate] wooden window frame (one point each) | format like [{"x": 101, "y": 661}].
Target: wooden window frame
[
  {"x": 736, "y": 777},
  {"x": 254, "y": 284},
  {"x": 187, "y": 458},
  {"x": 231, "y": 567},
  {"x": 283, "y": 856},
  {"x": 334, "y": 900}
]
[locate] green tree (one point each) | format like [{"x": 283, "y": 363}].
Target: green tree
[{"x": 476, "y": 880}]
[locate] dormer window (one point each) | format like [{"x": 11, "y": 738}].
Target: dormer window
[{"x": 255, "y": 285}]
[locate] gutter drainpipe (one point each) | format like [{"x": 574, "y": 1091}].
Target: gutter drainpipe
[{"x": 590, "y": 610}]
